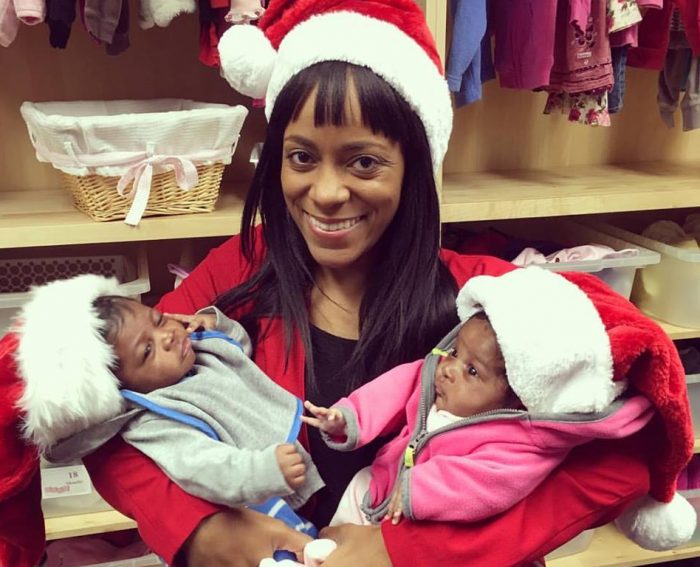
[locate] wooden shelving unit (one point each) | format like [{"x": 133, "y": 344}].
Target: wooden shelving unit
[
  {"x": 609, "y": 548},
  {"x": 677, "y": 333},
  {"x": 87, "y": 524},
  {"x": 48, "y": 218},
  {"x": 576, "y": 190}
]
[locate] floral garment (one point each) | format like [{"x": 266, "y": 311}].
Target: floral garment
[
  {"x": 589, "y": 108},
  {"x": 622, "y": 14}
]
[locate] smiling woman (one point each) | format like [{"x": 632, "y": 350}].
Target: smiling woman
[{"x": 342, "y": 279}]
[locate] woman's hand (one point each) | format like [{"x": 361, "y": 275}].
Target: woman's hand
[
  {"x": 357, "y": 545},
  {"x": 330, "y": 421},
  {"x": 240, "y": 537}
]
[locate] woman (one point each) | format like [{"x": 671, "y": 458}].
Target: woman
[{"x": 343, "y": 280}]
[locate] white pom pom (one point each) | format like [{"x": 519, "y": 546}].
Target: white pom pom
[
  {"x": 659, "y": 526},
  {"x": 247, "y": 59}
]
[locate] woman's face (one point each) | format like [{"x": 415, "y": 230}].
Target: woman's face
[{"x": 341, "y": 184}]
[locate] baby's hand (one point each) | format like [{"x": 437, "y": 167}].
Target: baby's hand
[
  {"x": 291, "y": 464},
  {"x": 194, "y": 322},
  {"x": 395, "y": 510},
  {"x": 330, "y": 420},
  {"x": 244, "y": 11}
]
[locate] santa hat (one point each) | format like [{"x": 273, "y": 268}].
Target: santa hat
[
  {"x": 571, "y": 344},
  {"x": 390, "y": 37},
  {"x": 64, "y": 361},
  {"x": 21, "y": 520}
]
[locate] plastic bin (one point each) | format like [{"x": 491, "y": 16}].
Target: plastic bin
[
  {"x": 669, "y": 289},
  {"x": 69, "y": 494},
  {"x": 18, "y": 275},
  {"x": 576, "y": 545},
  {"x": 693, "y": 496},
  {"x": 618, "y": 273},
  {"x": 693, "y": 381},
  {"x": 150, "y": 560}
]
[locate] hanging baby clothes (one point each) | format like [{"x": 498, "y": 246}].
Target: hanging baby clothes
[
  {"x": 463, "y": 71},
  {"x": 622, "y": 15},
  {"x": 120, "y": 41},
  {"x": 60, "y": 15},
  {"x": 101, "y": 18},
  {"x": 681, "y": 73},
  {"x": 524, "y": 32},
  {"x": 212, "y": 22},
  {"x": 162, "y": 12},
  {"x": 654, "y": 33},
  {"x": 582, "y": 73},
  {"x": 12, "y": 13}
]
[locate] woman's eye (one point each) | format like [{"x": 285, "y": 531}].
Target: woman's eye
[
  {"x": 365, "y": 164},
  {"x": 300, "y": 158},
  {"x": 471, "y": 370}
]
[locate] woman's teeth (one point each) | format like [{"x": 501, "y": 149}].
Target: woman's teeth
[{"x": 334, "y": 226}]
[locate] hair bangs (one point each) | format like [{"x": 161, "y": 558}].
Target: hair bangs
[{"x": 333, "y": 81}]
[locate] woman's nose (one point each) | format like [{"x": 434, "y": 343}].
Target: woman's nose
[{"x": 328, "y": 188}]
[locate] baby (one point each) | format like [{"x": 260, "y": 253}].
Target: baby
[
  {"x": 490, "y": 412},
  {"x": 192, "y": 400}
]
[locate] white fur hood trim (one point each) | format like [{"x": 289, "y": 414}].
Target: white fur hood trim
[
  {"x": 63, "y": 360},
  {"x": 556, "y": 350}
]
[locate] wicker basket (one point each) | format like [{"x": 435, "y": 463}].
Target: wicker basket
[{"x": 97, "y": 196}]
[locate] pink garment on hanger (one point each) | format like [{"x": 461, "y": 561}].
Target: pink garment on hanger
[
  {"x": 575, "y": 254},
  {"x": 9, "y": 24},
  {"x": 30, "y": 12}
]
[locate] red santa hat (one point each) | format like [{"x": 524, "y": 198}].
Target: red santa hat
[
  {"x": 21, "y": 520},
  {"x": 390, "y": 37},
  {"x": 64, "y": 361},
  {"x": 571, "y": 344}
]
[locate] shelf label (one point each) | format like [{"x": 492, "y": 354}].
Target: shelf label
[{"x": 58, "y": 482}]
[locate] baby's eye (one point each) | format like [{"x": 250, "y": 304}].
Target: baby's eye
[
  {"x": 147, "y": 351},
  {"x": 471, "y": 370},
  {"x": 452, "y": 352}
]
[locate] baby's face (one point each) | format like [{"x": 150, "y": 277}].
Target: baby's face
[
  {"x": 154, "y": 351},
  {"x": 472, "y": 379}
]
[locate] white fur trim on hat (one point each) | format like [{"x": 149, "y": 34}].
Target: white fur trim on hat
[
  {"x": 380, "y": 46},
  {"x": 63, "y": 360},
  {"x": 658, "y": 525},
  {"x": 247, "y": 59},
  {"x": 556, "y": 350}
]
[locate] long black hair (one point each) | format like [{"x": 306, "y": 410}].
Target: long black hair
[{"x": 409, "y": 302}]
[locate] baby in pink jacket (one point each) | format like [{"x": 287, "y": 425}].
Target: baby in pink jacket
[{"x": 526, "y": 376}]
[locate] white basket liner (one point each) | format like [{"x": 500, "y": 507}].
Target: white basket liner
[{"x": 134, "y": 139}]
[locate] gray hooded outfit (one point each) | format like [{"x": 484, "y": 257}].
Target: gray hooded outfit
[{"x": 226, "y": 396}]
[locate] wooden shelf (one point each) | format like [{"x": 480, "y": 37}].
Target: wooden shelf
[
  {"x": 48, "y": 218},
  {"x": 576, "y": 190},
  {"x": 86, "y": 524},
  {"x": 609, "y": 548},
  {"x": 676, "y": 332}
]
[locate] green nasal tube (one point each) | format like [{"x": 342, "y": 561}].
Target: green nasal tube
[{"x": 439, "y": 352}]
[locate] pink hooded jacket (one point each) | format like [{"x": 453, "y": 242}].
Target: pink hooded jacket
[{"x": 475, "y": 468}]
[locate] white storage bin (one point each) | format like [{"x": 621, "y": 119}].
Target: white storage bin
[
  {"x": 618, "y": 273},
  {"x": 18, "y": 275},
  {"x": 670, "y": 290},
  {"x": 150, "y": 560},
  {"x": 576, "y": 545},
  {"x": 67, "y": 490},
  {"x": 693, "y": 381}
]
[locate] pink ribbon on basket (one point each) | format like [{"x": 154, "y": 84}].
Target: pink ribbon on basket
[{"x": 140, "y": 176}]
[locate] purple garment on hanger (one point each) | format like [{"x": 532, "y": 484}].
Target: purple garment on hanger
[{"x": 524, "y": 32}]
